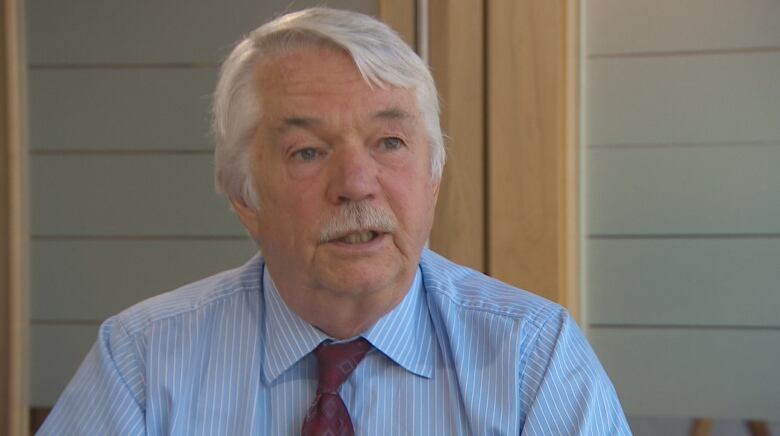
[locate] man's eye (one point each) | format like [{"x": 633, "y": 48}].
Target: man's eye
[
  {"x": 391, "y": 143},
  {"x": 305, "y": 154}
]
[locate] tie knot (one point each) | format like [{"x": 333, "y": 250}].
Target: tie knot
[{"x": 337, "y": 361}]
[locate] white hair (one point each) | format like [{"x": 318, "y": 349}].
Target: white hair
[{"x": 378, "y": 52}]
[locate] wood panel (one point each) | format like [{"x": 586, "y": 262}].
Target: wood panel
[
  {"x": 6, "y": 267},
  {"x": 690, "y": 372},
  {"x": 401, "y": 15},
  {"x": 111, "y": 109},
  {"x": 457, "y": 39},
  {"x": 715, "y": 98},
  {"x": 619, "y": 26},
  {"x": 684, "y": 190},
  {"x": 723, "y": 282},
  {"x": 56, "y": 351},
  {"x": 13, "y": 228},
  {"x": 94, "y": 279},
  {"x": 168, "y": 32},
  {"x": 155, "y": 195},
  {"x": 533, "y": 147}
]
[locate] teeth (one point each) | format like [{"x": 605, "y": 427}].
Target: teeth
[{"x": 358, "y": 237}]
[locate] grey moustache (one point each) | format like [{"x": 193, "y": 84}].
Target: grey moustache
[{"x": 355, "y": 217}]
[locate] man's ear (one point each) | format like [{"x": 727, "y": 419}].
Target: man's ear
[{"x": 248, "y": 216}]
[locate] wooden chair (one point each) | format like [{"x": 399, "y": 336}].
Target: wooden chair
[{"x": 703, "y": 427}]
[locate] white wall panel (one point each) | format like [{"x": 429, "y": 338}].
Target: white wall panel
[
  {"x": 105, "y": 109},
  {"x": 708, "y": 373},
  {"x": 620, "y": 26},
  {"x": 714, "y": 98},
  {"x": 144, "y": 31},
  {"x": 684, "y": 190},
  {"x": 682, "y": 203},
  {"x": 56, "y": 351},
  {"x": 128, "y": 195},
  {"x": 726, "y": 282},
  {"x": 95, "y": 279}
]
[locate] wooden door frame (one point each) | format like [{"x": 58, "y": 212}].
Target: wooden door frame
[
  {"x": 13, "y": 225},
  {"x": 508, "y": 77},
  {"x": 457, "y": 55},
  {"x": 533, "y": 146}
]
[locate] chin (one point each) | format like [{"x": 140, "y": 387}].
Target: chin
[{"x": 357, "y": 280}]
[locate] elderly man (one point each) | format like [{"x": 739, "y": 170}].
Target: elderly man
[{"x": 330, "y": 151}]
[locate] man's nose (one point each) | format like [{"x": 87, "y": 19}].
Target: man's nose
[{"x": 353, "y": 175}]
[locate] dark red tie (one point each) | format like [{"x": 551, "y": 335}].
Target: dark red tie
[{"x": 328, "y": 414}]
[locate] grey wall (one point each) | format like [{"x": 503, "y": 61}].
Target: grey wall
[
  {"x": 122, "y": 200},
  {"x": 682, "y": 199}
]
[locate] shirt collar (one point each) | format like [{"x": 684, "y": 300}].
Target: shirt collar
[
  {"x": 405, "y": 334},
  {"x": 288, "y": 338}
]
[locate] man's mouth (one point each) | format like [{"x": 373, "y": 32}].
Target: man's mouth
[{"x": 358, "y": 237}]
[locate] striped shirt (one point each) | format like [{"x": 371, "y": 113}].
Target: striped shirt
[{"x": 462, "y": 354}]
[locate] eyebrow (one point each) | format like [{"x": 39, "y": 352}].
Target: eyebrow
[
  {"x": 301, "y": 122},
  {"x": 393, "y": 114},
  {"x": 309, "y": 122}
]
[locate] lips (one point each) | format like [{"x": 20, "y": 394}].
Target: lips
[{"x": 360, "y": 237}]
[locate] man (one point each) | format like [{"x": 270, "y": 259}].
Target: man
[{"x": 330, "y": 150}]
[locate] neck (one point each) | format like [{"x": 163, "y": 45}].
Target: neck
[
  {"x": 343, "y": 316},
  {"x": 349, "y": 319}
]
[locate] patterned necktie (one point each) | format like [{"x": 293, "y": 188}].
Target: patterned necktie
[{"x": 328, "y": 414}]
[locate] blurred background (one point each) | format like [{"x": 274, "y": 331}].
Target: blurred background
[{"x": 617, "y": 156}]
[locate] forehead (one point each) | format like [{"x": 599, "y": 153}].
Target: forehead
[{"x": 309, "y": 75}]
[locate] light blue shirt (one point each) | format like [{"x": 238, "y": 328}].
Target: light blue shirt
[{"x": 462, "y": 354}]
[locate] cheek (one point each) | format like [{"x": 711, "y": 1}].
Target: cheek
[
  {"x": 302, "y": 211},
  {"x": 283, "y": 193},
  {"x": 413, "y": 206}
]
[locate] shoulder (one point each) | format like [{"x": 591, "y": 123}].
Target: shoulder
[
  {"x": 473, "y": 291},
  {"x": 193, "y": 297}
]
